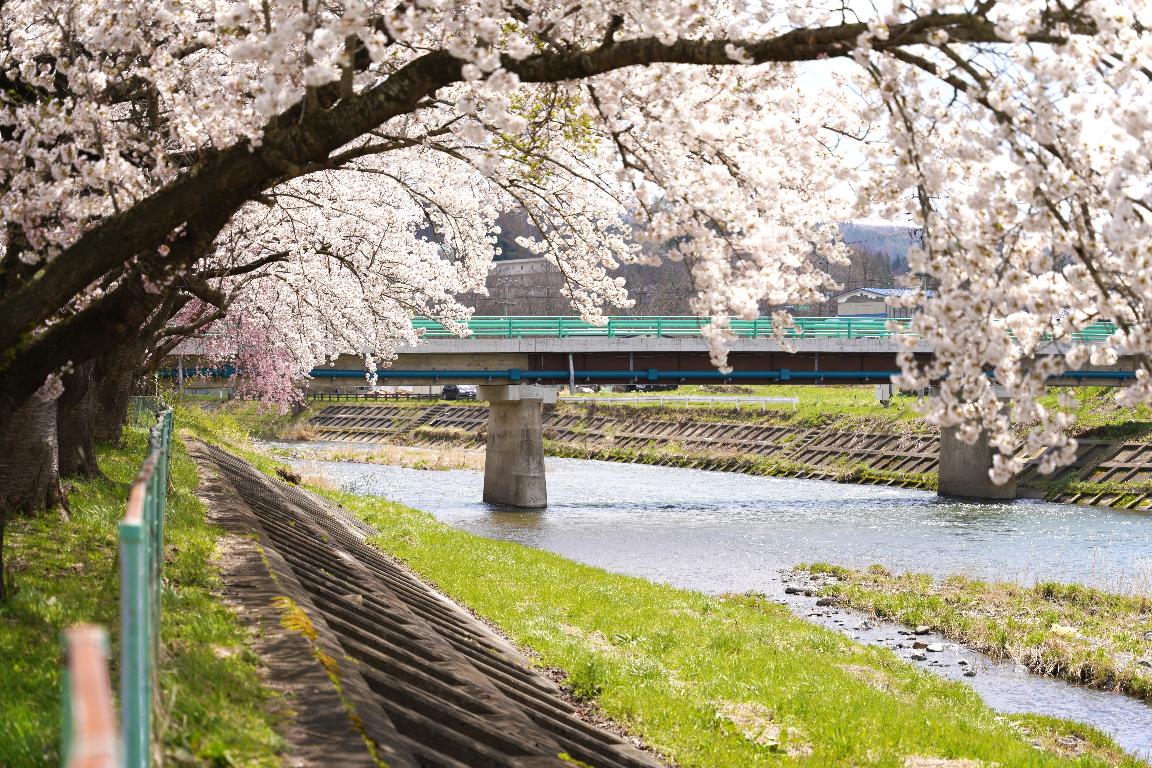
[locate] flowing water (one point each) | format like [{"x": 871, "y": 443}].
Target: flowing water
[{"x": 719, "y": 532}]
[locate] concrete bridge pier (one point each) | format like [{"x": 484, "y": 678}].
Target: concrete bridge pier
[
  {"x": 514, "y": 462},
  {"x": 964, "y": 469}
]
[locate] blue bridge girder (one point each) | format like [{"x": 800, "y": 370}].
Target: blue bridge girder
[{"x": 650, "y": 375}]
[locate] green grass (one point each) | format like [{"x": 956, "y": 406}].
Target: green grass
[
  {"x": 1098, "y": 415},
  {"x": 845, "y": 406},
  {"x": 1070, "y": 631},
  {"x": 710, "y": 681},
  {"x": 1096, "y": 412},
  {"x": 257, "y": 420},
  {"x": 217, "y": 712}
]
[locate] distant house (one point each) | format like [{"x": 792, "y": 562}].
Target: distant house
[{"x": 870, "y": 302}]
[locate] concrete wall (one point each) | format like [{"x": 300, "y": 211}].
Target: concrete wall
[{"x": 862, "y": 306}]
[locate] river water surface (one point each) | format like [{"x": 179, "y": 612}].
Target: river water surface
[{"x": 723, "y": 532}]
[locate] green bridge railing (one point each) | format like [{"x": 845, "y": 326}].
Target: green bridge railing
[
  {"x": 86, "y": 742},
  {"x": 680, "y": 326}
]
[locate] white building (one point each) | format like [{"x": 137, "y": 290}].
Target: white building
[{"x": 871, "y": 302}]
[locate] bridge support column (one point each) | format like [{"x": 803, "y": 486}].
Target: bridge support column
[
  {"x": 964, "y": 469},
  {"x": 514, "y": 461}
]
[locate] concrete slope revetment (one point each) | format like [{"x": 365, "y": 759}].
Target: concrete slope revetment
[{"x": 425, "y": 682}]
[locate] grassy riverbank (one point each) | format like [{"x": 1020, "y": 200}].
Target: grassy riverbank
[
  {"x": 710, "y": 681},
  {"x": 843, "y": 407},
  {"x": 217, "y": 712},
  {"x": 1077, "y": 633},
  {"x": 1098, "y": 415}
]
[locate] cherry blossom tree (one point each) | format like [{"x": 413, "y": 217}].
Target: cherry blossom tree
[{"x": 143, "y": 143}]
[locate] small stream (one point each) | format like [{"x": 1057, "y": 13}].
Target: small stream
[{"x": 719, "y": 532}]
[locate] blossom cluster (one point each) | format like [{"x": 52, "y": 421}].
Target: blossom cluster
[{"x": 1013, "y": 134}]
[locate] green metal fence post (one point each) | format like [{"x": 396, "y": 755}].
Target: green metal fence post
[
  {"x": 135, "y": 645},
  {"x": 141, "y": 579}
]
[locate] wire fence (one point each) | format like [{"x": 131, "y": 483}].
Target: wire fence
[{"x": 142, "y": 410}]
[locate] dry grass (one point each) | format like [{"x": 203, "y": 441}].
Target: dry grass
[
  {"x": 300, "y": 431},
  {"x": 317, "y": 480},
  {"x": 412, "y": 457},
  {"x": 444, "y": 434}
]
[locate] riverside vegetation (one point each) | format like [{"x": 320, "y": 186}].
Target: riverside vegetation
[
  {"x": 214, "y": 708},
  {"x": 706, "y": 681},
  {"x": 1070, "y": 631}
]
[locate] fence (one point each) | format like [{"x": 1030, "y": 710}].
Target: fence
[
  {"x": 662, "y": 400},
  {"x": 677, "y": 326},
  {"x": 141, "y": 562},
  {"x": 338, "y": 397},
  {"x": 143, "y": 409}
]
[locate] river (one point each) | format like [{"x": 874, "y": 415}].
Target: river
[{"x": 723, "y": 532}]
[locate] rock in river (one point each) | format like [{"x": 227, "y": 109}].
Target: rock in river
[{"x": 936, "y": 647}]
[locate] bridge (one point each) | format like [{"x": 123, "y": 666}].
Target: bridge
[
  {"x": 664, "y": 350},
  {"x": 520, "y": 361}
]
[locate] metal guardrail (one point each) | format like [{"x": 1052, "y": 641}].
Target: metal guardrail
[
  {"x": 662, "y": 400},
  {"x": 339, "y": 397},
  {"x": 671, "y": 326},
  {"x": 141, "y": 563}
]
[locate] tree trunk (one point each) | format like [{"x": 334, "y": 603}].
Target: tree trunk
[
  {"x": 76, "y": 423},
  {"x": 115, "y": 373},
  {"x": 29, "y": 469},
  {"x": 3, "y": 571}
]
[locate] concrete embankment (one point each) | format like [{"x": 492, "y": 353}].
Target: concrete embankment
[
  {"x": 422, "y": 680},
  {"x": 1106, "y": 472}
]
